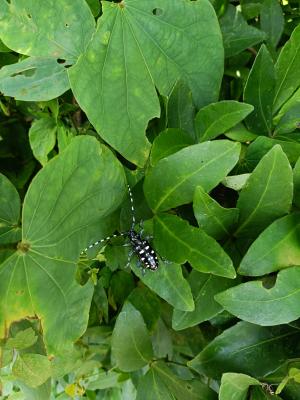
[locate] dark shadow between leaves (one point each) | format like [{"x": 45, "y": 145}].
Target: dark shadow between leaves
[
  {"x": 157, "y": 11},
  {"x": 268, "y": 282}
]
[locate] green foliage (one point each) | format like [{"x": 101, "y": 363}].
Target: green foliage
[{"x": 195, "y": 105}]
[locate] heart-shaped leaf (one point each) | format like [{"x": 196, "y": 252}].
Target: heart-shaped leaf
[
  {"x": 135, "y": 49},
  {"x": 66, "y": 198}
]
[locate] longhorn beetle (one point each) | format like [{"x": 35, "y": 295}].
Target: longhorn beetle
[{"x": 139, "y": 246}]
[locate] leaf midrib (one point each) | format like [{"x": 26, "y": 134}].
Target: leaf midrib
[
  {"x": 252, "y": 346},
  {"x": 276, "y": 95},
  {"x": 188, "y": 176},
  {"x": 266, "y": 188},
  {"x": 185, "y": 244}
]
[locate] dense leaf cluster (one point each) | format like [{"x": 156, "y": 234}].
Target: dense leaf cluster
[{"x": 196, "y": 105}]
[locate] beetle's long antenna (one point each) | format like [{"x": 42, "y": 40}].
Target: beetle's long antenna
[
  {"x": 132, "y": 208},
  {"x": 103, "y": 240}
]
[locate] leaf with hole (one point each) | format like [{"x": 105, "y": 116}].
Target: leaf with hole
[
  {"x": 131, "y": 345},
  {"x": 57, "y": 29},
  {"x": 180, "y": 242},
  {"x": 141, "y": 45},
  {"x": 34, "y": 79},
  {"x": 252, "y": 302},
  {"x": 173, "y": 180}
]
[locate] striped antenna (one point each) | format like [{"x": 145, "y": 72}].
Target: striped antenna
[
  {"x": 103, "y": 240},
  {"x": 132, "y": 208}
]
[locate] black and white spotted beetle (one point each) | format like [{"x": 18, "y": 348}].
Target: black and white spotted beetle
[{"x": 139, "y": 246}]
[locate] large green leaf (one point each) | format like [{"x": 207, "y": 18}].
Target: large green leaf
[
  {"x": 180, "y": 242},
  {"x": 169, "y": 284},
  {"x": 54, "y": 28},
  {"x": 173, "y": 180},
  {"x": 263, "y": 199},
  {"x": 276, "y": 248},
  {"x": 160, "y": 383},
  {"x": 253, "y": 302},
  {"x": 259, "y": 91},
  {"x": 235, "y": 386},
  {"x": 204, "y": 287},
  {"x": 63, "y": 204},
  {"x": 131, "y": 345},
  {"x": 34, "y": 79},
  {"x": 216, "y": 118},
  {"x": 140, "y": 45},
  {"x": 237, "y": 34},
  {"x": 214, "y": 219},
  {"x": 287, "y": 70},
  {"x": 249, "y": 349},
  {"x": 9, "y": 212}
]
